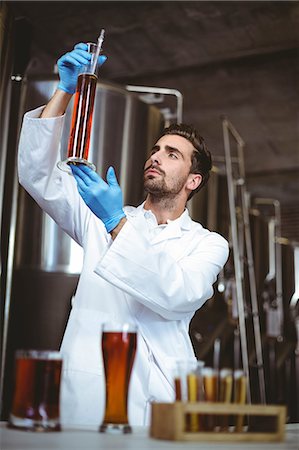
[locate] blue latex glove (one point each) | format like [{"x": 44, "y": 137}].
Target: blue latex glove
[
  {"x": 69, "y": 66},
  {"x": 104, "y": 199}
]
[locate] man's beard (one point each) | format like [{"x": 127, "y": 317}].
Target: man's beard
[{"x": 157, "y": 188}]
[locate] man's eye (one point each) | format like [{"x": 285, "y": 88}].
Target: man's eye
[{"x": 173, "y": 155}]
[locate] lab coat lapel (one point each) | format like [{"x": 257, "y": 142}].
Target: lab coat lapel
[
  {"x": 171, "y": 231},
  {"x": 174, "y": 229}
]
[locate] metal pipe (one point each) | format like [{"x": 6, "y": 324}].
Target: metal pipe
[
  {"x": 5, "y": 97},
  {"x": 3, "y": 156},
  {"x": 295, "y": 297},
  {"x": 216, "y": 354},
  {"x": 162, "y": 91},
  {"x": 253, "y": 296},
  {"x": 15, "y": 116},
  {"x": 237, "y": 261},
  {"x": 276, "y": 258},
  {"x": 9, "y": 276},
  {"x": 236, "y": 349},
  {"x": 294, "y": 308},
  {"x": 125, "y": 145},
  {"x": 271, "y": 248},
  {"x": 244, "y": 230},
  {"x": 212, "y": 202},
  {"x": 233, "y": 131}
]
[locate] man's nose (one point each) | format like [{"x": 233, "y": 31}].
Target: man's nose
[{"x": 155, "y": 158}]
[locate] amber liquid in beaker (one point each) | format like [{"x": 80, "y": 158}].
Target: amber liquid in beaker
[
  {"x": 210, "y": 382},
  {"x": 119, "y": 350},
  {"x": 178, "y": 389},
  {"x": 82, "y": 116}
]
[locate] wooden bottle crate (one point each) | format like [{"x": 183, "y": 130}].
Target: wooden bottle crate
[{"x": 169, "y": 421}]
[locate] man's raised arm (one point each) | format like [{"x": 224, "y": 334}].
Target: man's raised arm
[{"x": 69, "y": 66}]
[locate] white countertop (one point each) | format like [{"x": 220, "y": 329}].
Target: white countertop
[{"x": 139, "y": 440}]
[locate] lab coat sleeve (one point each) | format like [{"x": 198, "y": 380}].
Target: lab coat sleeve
[
  {"x": 55, "y": 191},
  {"x": 172, "y": 288}
]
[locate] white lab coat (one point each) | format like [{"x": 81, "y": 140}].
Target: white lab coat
[{"x": 156, "y": 280}]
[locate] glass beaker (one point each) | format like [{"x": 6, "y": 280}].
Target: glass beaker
[
  {"x": 210, "y": 385},
  {"x": 188, "y": 388},
  {"x": 119, "y": 342},
  {"x": 240, "y": 394},
  {"x": 187, "y": 379},
  {"x": 225, "y": 394},
  {"x": 79, "y": 139},
  {"x": 36, "y": 396}
]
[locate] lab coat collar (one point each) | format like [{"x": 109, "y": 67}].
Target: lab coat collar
[
  {"x": 184, "y": 221},
  {"x": 173, "y": 229}
]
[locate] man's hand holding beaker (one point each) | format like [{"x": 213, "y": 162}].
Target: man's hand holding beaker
[
  {"x": 70, "y": 64},
  {"x": 103, "y": 198}
]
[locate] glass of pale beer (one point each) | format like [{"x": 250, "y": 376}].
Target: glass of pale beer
[
  {"x": 79, "y": 138},
  {"x": 36, "y": 398},
  {"x": 119, "y": 342}
]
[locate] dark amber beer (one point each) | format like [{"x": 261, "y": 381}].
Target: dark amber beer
[
  {"x": 118, "y": 348},
  {"x": 37, "y": 390},
  {"x": 79, "y": 139}
]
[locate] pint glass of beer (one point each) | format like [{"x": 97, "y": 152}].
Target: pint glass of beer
[
  {"x": 35, "y": 404},
  {"x": 79, "y": 139},
  {"x": 119, "y": 342}
]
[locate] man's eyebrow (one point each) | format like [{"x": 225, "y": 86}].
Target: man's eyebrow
[
  {"x": 156, "y": 147},
  {"x": 173, "y": 149},
  {"x": 168, "y": 148}
]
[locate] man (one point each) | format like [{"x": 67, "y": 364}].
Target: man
[{"x": 150, "y": 265}]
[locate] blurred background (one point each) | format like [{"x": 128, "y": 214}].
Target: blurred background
[{"x": 231, "y": 70}]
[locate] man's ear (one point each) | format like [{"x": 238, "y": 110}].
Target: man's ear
[{"x": 194, "y": 180}]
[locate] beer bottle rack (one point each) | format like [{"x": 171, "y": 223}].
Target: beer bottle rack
[{"x": 169, "y": 421}]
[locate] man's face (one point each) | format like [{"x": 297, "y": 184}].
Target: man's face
[{"x": 167, "y": 171}]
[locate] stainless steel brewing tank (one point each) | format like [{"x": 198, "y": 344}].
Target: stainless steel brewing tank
[{"x": 123, "y": 130}]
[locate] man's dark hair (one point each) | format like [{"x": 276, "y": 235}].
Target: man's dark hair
[{"x": 201, "y": 161}]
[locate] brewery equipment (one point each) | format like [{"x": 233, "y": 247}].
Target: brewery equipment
[
  {"x": 241, "y": 240},
  {"x": 273, "y": 305}
]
